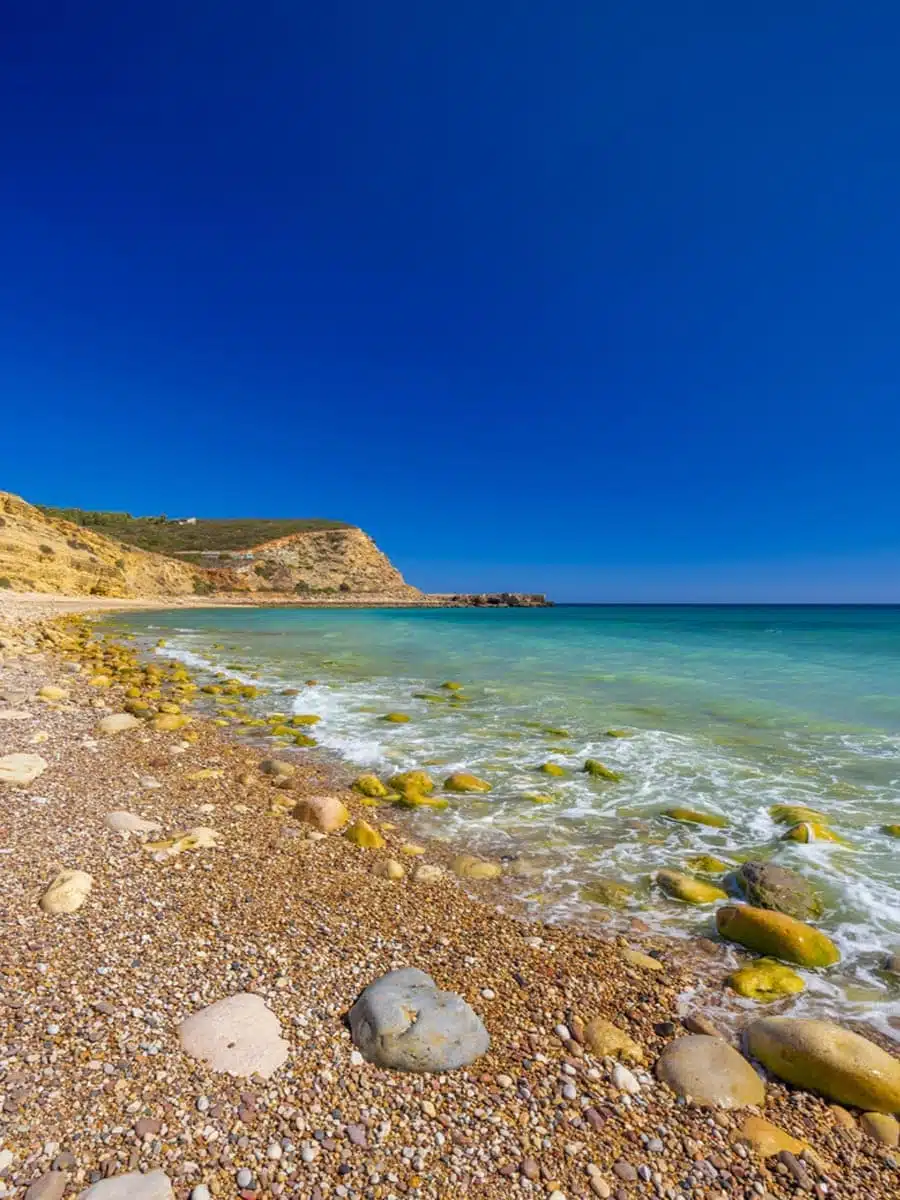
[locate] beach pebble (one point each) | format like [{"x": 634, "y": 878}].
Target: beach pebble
[
  {"x": 403, "y": 1021},
  {"x": 624, "y": 1080},
  {"x": 239, "y": 1035},
  {"x": 6, "y": 1158},
  {"x": 51, "y": 1186},
  {"x": 155, "y": 1185},
  {"x": 427, "y": 873},
  {"x": 118, "y": 723},
  {"x": 562, "y": 1032},
  {"x": 309, "y": 1153},
  {"x": 121, "y": 821},
  {"x": 200, "y": 1192},
  {"x": 67, "y": 892},
  {"x": 21, "y": 768},
  {"x": 244, "y": 1177}
]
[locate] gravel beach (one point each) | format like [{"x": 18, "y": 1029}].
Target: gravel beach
[{"x": 96, "y": 1077}]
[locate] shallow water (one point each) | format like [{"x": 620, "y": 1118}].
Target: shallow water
[{"x": 728, "y": 709}]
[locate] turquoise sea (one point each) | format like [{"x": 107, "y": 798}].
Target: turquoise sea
[{"x": 728, "y": 709}]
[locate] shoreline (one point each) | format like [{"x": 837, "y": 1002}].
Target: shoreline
[{"x": 306, "y": 923}]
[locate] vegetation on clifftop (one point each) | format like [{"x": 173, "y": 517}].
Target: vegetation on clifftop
[{"x": 167, "y": 536}]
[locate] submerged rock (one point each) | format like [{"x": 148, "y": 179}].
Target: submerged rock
[
  {"x": 711, "y": 1072},
  {"x": 552, "y": 768},
  {"x": 765, "y": 980},
  {"x": 766, "y": 886},
  {"x": 405, "y": 1023},
  {"x": 692, "y": 891},
  {"x": 396, "y": 718},
  {"x": 693, "y": 817},
  {"x": 599, "y": 770},
  {"x": 811, "y": 831},
  {"x": 707, "y": 864},
  {"x": 239, "y": 1035},
  {"x": 776, "y": 934},
  {"x": 462, "y": 782},
  {"x": 826, "y": 1058},
  {"x": 609, "y": 892},
  {"x": 891, "y": 830},
  {"x": 390, "y": 869},
  {"x": 419, "y": 782},
  {"x": 468, "y": 866},
  {"x": 793, "y": 814}
]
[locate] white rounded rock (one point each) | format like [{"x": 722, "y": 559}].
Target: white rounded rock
[
  {"x": 155, "y": 1185},
  {"x": 125, "y": 822},
  {"x": 118, "y": 723},
  {"x": 67, "y": 892},
  {"x": 239, "y": 1035},
  {"x": 21, "y": 768}
]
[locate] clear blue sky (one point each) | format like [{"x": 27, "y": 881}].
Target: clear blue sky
[{"x": 595, "y": 298}]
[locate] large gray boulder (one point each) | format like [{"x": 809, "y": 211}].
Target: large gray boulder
[
  {"x": 766, "y": 886},
  {"x": 404, "y": 1022}
]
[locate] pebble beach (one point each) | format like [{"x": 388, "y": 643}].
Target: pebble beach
[{"x": 214, "y": 886}]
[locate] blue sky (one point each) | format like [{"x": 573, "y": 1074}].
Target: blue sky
[{"x": 591, "y": 298}]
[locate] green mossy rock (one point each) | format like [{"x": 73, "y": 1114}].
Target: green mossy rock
[
  {"x": 370, "y": 785},
  {"x": 765, "y": 980},
  {"x": 452, "y": 686},
  {"x": 891, "y": 830},
  {"x": 692, "y": 817},
  {"x": 461, "y": 782},
  {"x": 538, "y": 798},
  {"x": 776, "y": 934},
  {"x": 608, "y": 892},
  {"x": 617, "y": 733},
  {"x": 305, "y": 719},
  {"x": 679, "y": 886},
  {"x": 411, "y": 781},
  {"x": 552, "y": 768},
  {"x": 362, "y": 834},
  {"x": 765, "y": 885},
  {"x": 303, "y": 739},
  {"x": 793, "y": 814},
  {"x": 810, "y": 831},
  {"x": 168, "y": 722},
  {"x": 707, "y": 864},
  {"x": 599, "y": 770},
  {"x": 413, "y": 799},
  {"x": 397, "y": 718},
  {"x": 826, "y": 1058}
]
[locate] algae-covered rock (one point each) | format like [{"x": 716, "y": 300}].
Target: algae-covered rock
[
  {"x": 275, "y": 767},
  {"x": 412, "y": 799},
  {"x": 826, "y": 1058},
  {"x": 811, "y": 831},
  {"x": 766, "y": 1139},
  {"x": 370, "y": 785},
  {"x": 53, "y": 693},
  {"x": 468, "y": 866},
  {"x": 599, "y": 770},
  {"x": 451, "y": 685},
  {"x": 609, "y": 892},
  {"x": 411, "y": 781},
  {"x": 303, "y": 739},
  {"x": 617, "y": 733},
  {"x": 765, "y": 885},
  {"x": 707, "y": 864},
  {"x": 881, "y": 1128},
  {"x": 552, "y": 768},
  {"x": 168, "y": 722},
  {"x": 538, "y": 798},
  {"x": 711, "y": 1072},
  {"x": 396, "y": 718},
  {"x": 692, "y": 891},
  {"x": 891, "y": 830},
  {"x": 765, "y": 980},
  {"x": 305, "y": 719},
  {"x": 364, "y": 835},
  {"x": 794, "y": 814},
  {"x": 460, "y": 781},
  {"x": 609, "y": 1041},
  {"x": 693, "y": 817},
  {"x": 776, "y": 934}
]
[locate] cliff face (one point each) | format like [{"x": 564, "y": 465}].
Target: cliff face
[
  {"x": 328, "y": 560},
  {"x": 43, "y": 553}
]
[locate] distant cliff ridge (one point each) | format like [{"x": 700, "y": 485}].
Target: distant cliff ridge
[{"x": 78, "y": 552}]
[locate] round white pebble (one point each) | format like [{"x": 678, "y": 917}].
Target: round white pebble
[
  {"x": 244, "y": 1178},
  {"x": 274, "y": 1152},
  {"x": 200, "y": 1192}
]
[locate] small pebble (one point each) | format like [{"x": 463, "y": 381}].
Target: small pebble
[
  {"x": 200, "y": 1192},
  {"x": 244, "y": 1178}
]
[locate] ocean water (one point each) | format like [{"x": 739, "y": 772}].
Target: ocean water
[{"x": 727, "y": 709}]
